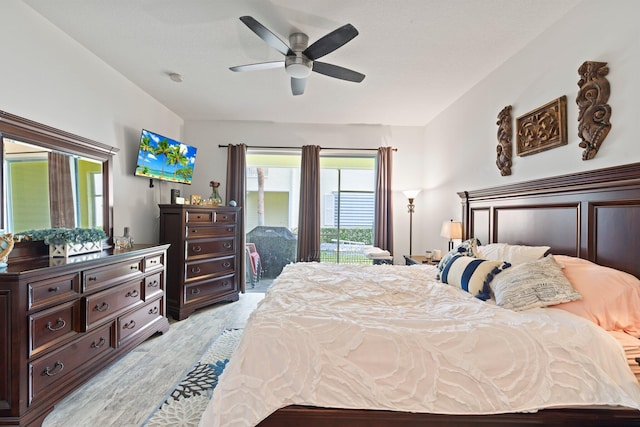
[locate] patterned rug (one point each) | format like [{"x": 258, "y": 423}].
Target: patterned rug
[{"x": 186, "y": 403}]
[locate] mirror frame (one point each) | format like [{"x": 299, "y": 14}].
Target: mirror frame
[{"x": 25, "y": 130}]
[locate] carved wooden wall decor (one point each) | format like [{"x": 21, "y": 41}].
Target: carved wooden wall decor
[
  {"x": 593, "y": 111},
  {"x": 542, "y": 128},
  {"x": 504, "y": 150}
]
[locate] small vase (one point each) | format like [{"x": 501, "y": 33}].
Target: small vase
[{"x": 215, "y": 198}]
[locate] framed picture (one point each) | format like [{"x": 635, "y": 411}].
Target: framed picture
[{"x": 543, "y": 128}]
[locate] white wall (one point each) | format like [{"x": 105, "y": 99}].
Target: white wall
[
  {"x": 461, "y": 141},
  {"x": 408, "y": 160},
  {"x": 49, "y": 78}
]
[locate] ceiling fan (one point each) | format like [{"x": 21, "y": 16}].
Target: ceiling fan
[{"x": 300, "y": 59}]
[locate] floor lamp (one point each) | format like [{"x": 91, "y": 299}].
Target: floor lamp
[
  {"x": 451, "y": 230},
  {"x": 411, "y": 195}
]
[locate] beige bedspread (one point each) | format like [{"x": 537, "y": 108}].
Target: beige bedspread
[{"x": 391, "y": 337}]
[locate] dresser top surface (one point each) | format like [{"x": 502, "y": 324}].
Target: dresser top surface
[{"x": 27, "y": 266}]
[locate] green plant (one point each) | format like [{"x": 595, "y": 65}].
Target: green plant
[
  {"x": 59, "y": 236},
  {"x": 362, "y": 235}
]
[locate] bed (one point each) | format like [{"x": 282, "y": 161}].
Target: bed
[{"x": 462, "y": 371}]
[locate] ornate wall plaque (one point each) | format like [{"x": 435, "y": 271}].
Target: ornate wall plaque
[
  {"x": 543, "y": 128},
  {"x": 593, "y": 111},
  {"x": 504, "y": 150}
]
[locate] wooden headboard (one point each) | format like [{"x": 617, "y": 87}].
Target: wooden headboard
[{"x": 593, "y": 215}]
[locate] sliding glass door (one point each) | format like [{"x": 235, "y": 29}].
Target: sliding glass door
[
  {"x": 347, "y": 185},
  {"x": 271, "y": 213}
]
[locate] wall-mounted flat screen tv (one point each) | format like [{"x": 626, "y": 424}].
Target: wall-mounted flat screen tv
[{"x": 163, "y": 158}]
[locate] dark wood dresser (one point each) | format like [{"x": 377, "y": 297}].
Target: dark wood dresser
[
  {"x": 204, "y": 259},
  {"x": 62, "y": 320}
]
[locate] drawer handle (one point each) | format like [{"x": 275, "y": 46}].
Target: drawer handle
[
  {"x": 92, "y": 278},
  {"x": 153, "y": 261},
  {"x": 195, "y": 291},
  {"x": 223, "y": 217},
  {"x": 194, "y": 231},
  {"x": 153, "y": 284},
  {"x": 196, "y": 249},
  {"x": 129, "y": 325},
  {"x": 54, "y": 289},
  {"x": 134, "y": 267},
  {"x": 99, "y": 344},
  {"x": 57, "y": 368},
  {"x": 153, "y": 310},
  {"x": 230, "y": 230},
  {"x": 60, "y": 323},
  {"x": 134, "y": 293},
  {"x": 226, "y": 264},
  {"x": 227, "y": 245},
  {"x": 102, "y": 307},
  {"x": 195, "y": 270}
]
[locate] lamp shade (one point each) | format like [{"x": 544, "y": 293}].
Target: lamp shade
[
  {"x": 411, "y": 194},
  {"x": 451, "y": 230}
]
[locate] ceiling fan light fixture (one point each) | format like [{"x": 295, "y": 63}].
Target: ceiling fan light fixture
[{"x": 298, "y": 66}]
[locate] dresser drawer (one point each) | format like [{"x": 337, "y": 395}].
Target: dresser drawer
[
  {"x": 50, "y": 291},
  {"x": 152, "y": 263},
  {"x": 153, "y": 285},
  {"x": 199, "y": 217},
  {"x": 110, "y": 302},
  {"x": 225, "y": 218},
  {"x": 132, "y": 323},
  {"x": 217, "y": 266},
  {"x": 98, "y": 278},
  {"x": 210, "y": 248},
  {"x": 217, "y": 286},
  {"x": 48, "y": 370},
  {"x": 197, "y": 232},
  {"x": 52, "y": 326}
]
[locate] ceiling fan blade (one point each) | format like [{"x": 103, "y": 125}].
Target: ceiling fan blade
[
  {"x": 330, "y": 42},
  {"x": 297, "y": 85},
  {"x": 266, "y": 35},
  {"x": 258, "y": 66},
  {"x": 337, "y": 72}
]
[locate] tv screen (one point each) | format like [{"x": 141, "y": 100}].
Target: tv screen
[{"x": 163, "y": 158}]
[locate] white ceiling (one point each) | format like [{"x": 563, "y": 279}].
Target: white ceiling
[{"x": 418, "y": 56}]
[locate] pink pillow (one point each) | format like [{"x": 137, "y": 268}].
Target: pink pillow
[{"x": 610, "y": 298}]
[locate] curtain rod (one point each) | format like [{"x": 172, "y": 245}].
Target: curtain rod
[{"x": 300, "y": 148}]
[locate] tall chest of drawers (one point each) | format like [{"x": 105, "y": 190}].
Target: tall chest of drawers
[
  {"x": 63, "y": 320},
  {"x": 204, "y": 259}
]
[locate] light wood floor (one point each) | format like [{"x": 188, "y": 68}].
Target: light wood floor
[{"x": 129, "y": 390}]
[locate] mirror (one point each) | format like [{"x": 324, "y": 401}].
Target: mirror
[{"x": 51, "y": 178}]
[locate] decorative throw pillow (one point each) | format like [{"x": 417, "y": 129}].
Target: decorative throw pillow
[
  {"x": 466, "y": 248},
  {"x": 534, "y": 284},
  {"x": 472, "y": 274}
]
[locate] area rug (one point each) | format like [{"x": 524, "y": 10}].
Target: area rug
[{"x": 184, "y": 406}]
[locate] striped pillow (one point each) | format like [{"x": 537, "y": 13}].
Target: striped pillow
[{"x": 472, "y": 274}]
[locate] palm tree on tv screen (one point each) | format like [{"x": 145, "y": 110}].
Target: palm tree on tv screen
[
  {"x": 163, "y": 149},
  {"x": 185, "y": 174},
  {"x": 175, "y": 157}
]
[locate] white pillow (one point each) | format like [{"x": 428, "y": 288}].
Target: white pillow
[
  {"x": 514, "y": 254},
  {"x": 493, "y": 251}
]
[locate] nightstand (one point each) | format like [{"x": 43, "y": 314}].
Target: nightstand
[{"x": 418, "y": 259}]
